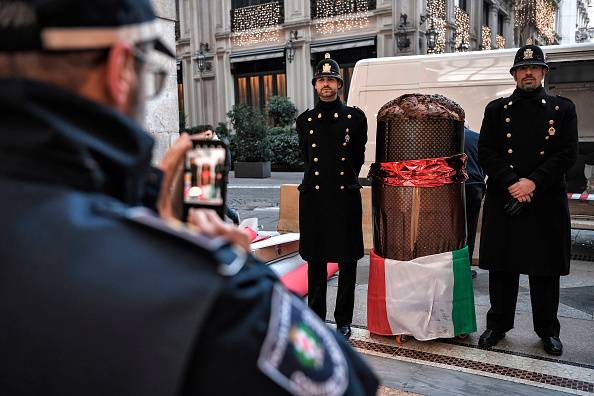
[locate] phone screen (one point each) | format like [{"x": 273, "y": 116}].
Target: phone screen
[{"x": 204, "y": 175}]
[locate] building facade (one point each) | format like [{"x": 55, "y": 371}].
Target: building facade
[
  {"x": 245, "y": 51},
  {"x": 574, "y": 20},
  {"x": 161, "y": 114}
]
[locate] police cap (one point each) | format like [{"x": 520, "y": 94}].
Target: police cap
[
  {"x": 62, "y": 25},
  {"x": 529, "y": 55},
  {"x": 327, "y": 67}
]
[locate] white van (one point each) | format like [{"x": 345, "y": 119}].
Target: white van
[{"x": 472, "y": 79}]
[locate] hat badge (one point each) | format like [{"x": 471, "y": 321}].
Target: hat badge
[
  {"x": 326, "y": 68},
  {"x": 327, "y": 56},
  {"x": 528, "y": 54}
]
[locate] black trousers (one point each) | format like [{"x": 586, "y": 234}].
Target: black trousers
[
  {"x": 317, "y": 275},
  {"x": 544, "y": 296},
  {"x": 474, "y": 197}
]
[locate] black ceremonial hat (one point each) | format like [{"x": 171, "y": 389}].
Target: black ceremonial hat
[
  {"x": 61, "y": 25},
  {"x": 529, "y": 55},
  {"x": 327, "y": 67}
]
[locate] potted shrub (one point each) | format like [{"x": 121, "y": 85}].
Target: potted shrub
[{"x": 250, "y": 143}]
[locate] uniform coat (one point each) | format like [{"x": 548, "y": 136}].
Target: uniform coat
[
  {"x": 332, "y": 139},
  {"x": 527, "y": 135},
  {"x": 96, "y": 301}
]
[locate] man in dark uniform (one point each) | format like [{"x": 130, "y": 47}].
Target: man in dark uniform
[
  {"x": 332, "y": 140},
  {"x": 527, "y": 143},
  {"x": 100, "y": 296}
]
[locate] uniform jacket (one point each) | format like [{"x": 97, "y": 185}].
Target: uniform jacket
[
  {"x": 99, "y": 297},
  {"x": 527, "y": 135},
  {"x": 332, "y": 139}
]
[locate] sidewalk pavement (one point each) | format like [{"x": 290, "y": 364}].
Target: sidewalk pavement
[{"x": 518, "y": 365}]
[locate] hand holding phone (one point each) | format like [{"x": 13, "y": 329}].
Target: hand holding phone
[{"x": 205, "y": 176}]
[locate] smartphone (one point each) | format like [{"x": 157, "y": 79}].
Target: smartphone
[{"x": 205, "y": 176}]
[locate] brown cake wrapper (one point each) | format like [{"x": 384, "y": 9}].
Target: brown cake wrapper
[{"x": 410, "y": 222}]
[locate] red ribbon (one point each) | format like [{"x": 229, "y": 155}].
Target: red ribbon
[{"x": 429, "y": 172}]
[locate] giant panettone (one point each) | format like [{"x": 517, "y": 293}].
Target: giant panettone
[{"x": 412, "y": 221}]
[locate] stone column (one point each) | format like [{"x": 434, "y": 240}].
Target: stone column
[
  {"x": 161, "y": 118},
  {"x": 299, "y": 75},
  {"x": 493, "y": 14}
]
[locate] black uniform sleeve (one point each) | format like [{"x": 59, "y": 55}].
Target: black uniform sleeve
[
  {"x": 558, "y": 163},
  {"x": 302, "y": 140},
  {"x": 227, "y": 356},
  {"x": 489, "y": 159},
  {"x": 359, "y": 146}
]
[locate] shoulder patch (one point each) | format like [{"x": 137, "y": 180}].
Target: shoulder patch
[
  {"x": 230, "y": 259},
  {"x": 299, "y": 352}
]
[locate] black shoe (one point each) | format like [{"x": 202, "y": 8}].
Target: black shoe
[
  {"x": 490, "y": 338},
  {"x": 552, "y": 346},
  {"x": 345, "y": 330}
]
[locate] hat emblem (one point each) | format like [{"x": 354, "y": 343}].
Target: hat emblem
[
  {"x": 528, "y": 54},
  {"x": 326, "y": 68}
]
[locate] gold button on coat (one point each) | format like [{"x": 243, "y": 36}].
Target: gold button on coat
[
  {"x": 316, "y": 159},
  {"x": 309, "y": 119},
  {"x": 343, "y": 159},
  {"x": 546, "y": 138},
  {"x": 335, "y": 115},
  {"x": 311, "y": 132},
  {"x": 507, "y": 120},
  {"x": 510, "y": 151},
  {"x": 542, "y": 153},
  {"x": 342, "y": 187},
  {"x": 317, "y": 187},
  {"x": 319, "y": 115},
  {"x": 317, "y": 173},
  {"x": 314, "y": 145},
  {"x": 552, "y": 122},
  {"x": 510, "y": 103},
  {"x": 341, "y": 173},
  {"x": 508, "y": 135},
  {"x": 344, "y": 144},
  {"x": 556, "y": 107},
  {"x": 511, "y": 166}
]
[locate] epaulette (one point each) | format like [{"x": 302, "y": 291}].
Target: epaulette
[
  {"x": 496, "y": 101},
  {"x": 564, "y": 98},
  {"x": 359, "y": 110},
  {"x": 229, "y": 258},
  {"x": 302, "y": 115}
]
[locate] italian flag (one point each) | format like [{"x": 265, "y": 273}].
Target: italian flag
[{"x": 428, "y": 297}]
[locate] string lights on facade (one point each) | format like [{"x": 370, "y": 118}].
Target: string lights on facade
[
  {"x": 540, "y": 14},
  {"x": 486, "y": 38},
  {"x": 256, "y": 24},
  {"x": 500, "y": 40},
  {"x": 436, "y": 17},
  {"x": 463, "y": 29},
  {"x": 335, "y": 16}
]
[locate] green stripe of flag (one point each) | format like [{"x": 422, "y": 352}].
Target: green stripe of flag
[{"x": 463, "y": 314}]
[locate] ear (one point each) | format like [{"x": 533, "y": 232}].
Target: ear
[{"x": 120, "y": 74}]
